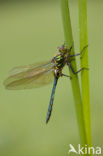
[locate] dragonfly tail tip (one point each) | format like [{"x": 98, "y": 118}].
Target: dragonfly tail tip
[{"x": 47, "y": 119}]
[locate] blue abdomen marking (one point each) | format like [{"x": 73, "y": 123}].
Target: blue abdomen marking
[{"x": 51, "y": 100}]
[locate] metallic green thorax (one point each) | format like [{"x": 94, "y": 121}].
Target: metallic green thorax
[{"x": 60, "y": 60}]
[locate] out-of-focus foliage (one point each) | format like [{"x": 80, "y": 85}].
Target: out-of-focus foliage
[
  {"x": 29, "y": 33},
  {"x": 13, "y": 1}
]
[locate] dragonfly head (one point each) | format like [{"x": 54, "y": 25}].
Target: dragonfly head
[{"x": 63, "y": 49}]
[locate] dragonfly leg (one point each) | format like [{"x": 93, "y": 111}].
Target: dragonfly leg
[
  {"x": 71, "y": 46},
  {"x": 69, "y": 64},
  {"x": 69, "y": 50},
  {"x": 66, "y": 75},
  {"x": 80, "y": 52}
]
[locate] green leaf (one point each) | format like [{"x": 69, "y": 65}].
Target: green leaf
[
  {"x": 74, "y": 82},
  {"x": 83, "y": 34}
]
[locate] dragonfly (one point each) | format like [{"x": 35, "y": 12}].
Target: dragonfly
[{"x": 36, "y": 75}]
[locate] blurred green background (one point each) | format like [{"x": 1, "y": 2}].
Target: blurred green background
[{"x": 31, "y": 31}]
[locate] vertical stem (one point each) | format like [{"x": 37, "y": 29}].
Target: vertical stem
[
  {"x": 74, "y": 82},
  {"x": 84, "y": 63}
]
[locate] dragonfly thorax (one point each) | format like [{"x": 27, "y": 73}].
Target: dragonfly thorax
[{"x": 59, "y": 62}]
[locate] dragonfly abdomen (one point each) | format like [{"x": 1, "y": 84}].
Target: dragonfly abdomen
[{"x": 51, "y": 100}]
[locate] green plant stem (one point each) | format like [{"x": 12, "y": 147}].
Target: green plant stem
[
  {"x": 84, "y": 63},
  {"x": 75, "y": 83}
]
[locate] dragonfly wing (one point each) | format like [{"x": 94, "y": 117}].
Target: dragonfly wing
[
  {"x": 22, "y": 69},
  {"x": 30, "y": 76}
]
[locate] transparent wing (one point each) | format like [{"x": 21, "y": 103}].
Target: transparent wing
[{"x": 31, "y": 76}]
